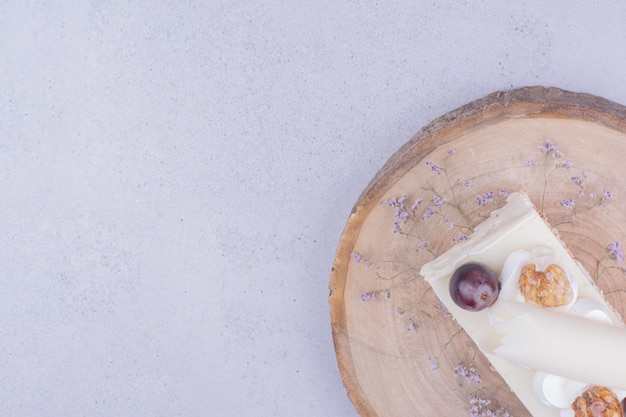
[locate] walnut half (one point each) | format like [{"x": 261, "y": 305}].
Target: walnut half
[
  {"x": 548, "y": 288},
  {"x": 597, "y": 402}
]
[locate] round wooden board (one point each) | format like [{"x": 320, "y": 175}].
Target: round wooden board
[{"x": 386, "y": 347}]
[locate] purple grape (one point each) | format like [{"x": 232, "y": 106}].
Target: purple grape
[{"x": 474, "y": 287}]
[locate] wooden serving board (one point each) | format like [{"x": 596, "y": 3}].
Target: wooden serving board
[{"x": 387, "y": 344}]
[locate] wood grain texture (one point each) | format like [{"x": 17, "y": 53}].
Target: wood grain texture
[{"x": 385, "y": 368}]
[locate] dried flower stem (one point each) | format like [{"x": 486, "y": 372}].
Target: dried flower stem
[
  {"x": 613, "y": 252},
  {"x": 445, "y": 345},
  {"x": 418, "y": 236},
  {"x": 456, "y": 206},
  {"x": 400, "y": 311}
]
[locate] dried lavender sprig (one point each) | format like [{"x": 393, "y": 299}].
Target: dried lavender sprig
[
  {"x": 614, "y": 253},
  {"x": 480, "y": 407},
  {"x": 404, "y": 215},
  {"x": 568, "y": 203},
  {"x": 466, "y": 372},
  {"x": 576, "y": 205},
  {"x": 438, "y": 202},
  {"x": 434, "y": 168},
  {"x": 551, "y": 151},
  {"x": 483, "y": 199},
  {"x": 549, "y": 146},
  {"x": 371, "y": 295},
  {"x": 359, "y": 258},
  {"x": 435, "y": 359}
]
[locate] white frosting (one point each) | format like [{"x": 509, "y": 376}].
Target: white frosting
[
  {"x": 556, "y": 347},
  {"x": 593, "y": 310},
  {"x": 556, "y": 391}
]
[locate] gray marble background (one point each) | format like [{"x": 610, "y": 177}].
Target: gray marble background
[{"x": 175, "y": 177}]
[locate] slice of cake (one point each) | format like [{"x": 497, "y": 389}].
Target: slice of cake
[{"x": 550, "y": 333}]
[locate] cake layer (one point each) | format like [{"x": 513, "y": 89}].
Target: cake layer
[{"x": 518, "y": 226}]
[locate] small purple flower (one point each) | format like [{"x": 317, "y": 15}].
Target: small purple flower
[
  {"x": 531, "y": 162},
  {"x": 449, "y": 223},
  {"x": 443, "y": 307},
  {"x": 367, "y": 296},
  {"x": 452, "y": 151},
  {"x": 484, "y": 199},
  {"x": 479, "y": 407},
  {"x": 412, "y": 327},
  {"x": 615, "y": 253},
  {"x": 503, "y": 193},
  {"x": 578, "y": 181},
  {"x": 434, "y": 168},
  {"x": 501, "y": 412},
  {"x": 479, "y": 401},
  {"x": 461, "y": 238},
  {"x": 548, "y": 146},
  {"x": 416, "y": 204},
  {"x": 568, "y": 203},
  {"x": 439, "y": 201},
  {"x": 398, "y": 311},
  {"x": 400, "y": 213},
  {"x": 399, "y": 206},
  {"x": 467, "y": 373},
  {"x": 358, "y": 258},
  {"x": 434, "y": 363},
  {"x": 422, "y": 245},
  {"x": 428, "y": 213},
  {"x": 606, "y": 194},
  {"x": 386, "y": 294},
  {"x": 565, "y": 164},
  {"x": 466, "y": 183}
]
